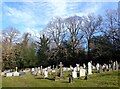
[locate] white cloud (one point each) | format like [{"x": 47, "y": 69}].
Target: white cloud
[
  {"x": 59, "y": 7},
  {"x": 34, "y": 32},
  {"x": 19, "y": 16},
  {"x": 32, "y": 15}
]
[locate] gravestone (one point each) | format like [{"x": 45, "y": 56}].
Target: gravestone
[
  {"x": 89, "y": 68},
  {"x": 9, "y": 74},
  {"x": 23, "y": 72},
  {"x": 100, "y": 69},
  {"x": 48, "y": 68},
  {"x": 68, "y": 69},
  {"x": 36, "y": 69},
  {"x": 113, "y": 66},
  {"x": 39, "y": 70},
  {"x": 106, "y": 67},
  {"x": 82, "y": 72},
  {"x": 77, "y": 67},
  {"x": 74, "y": 73},
  {"x": 61, "y": 65},
  {"x": 16, "y": 73},
  {"x": 116, "y": 65},
  {"x": 56, "y": 67},
  {"x": 71, "y": 68},
  {"x": 45, "y": 74},
  {"x": 84, "y": 66},
  {"x": 110, "y": 67},
  {"x": 93, "y": 67},
  {"x": 64, "y": 68},
  {"x": 97, "y": 67},
  {"x": 33, "y": 69},
  {"x": 53, "y": 67},
  {"x": 70, "y": 78}
]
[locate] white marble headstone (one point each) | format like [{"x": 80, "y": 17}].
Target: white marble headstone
[
  {"x": 77, "y": 67},
  {"x": 97, "y": 66},
  {"x": 45, "y": 74},
  {"x": 89, "y": 68},
  {"x": 74, "y": 74},
  {"x": 84, "y": 66},
  {"x": 82, "y": 72},
  {"x": 33, "y": 69},
  {"x": 8, "y": 74}
]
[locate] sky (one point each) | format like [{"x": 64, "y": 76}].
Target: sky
[{"x": 33, "y": 17}]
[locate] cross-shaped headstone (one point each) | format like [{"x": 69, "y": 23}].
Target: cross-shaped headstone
[
  {"x": 16, "y": 69},
  {"x": 41, "y": 67},
  {"x": 53, "y": 66},
  {"x": 60, "y": 68}
]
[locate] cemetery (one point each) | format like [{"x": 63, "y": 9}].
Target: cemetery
[
  {"x": 60, "y": 44},
  {"x": 56, "y": 77}
]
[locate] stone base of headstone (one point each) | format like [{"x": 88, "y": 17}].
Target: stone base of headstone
[
  {"x": 15, "y": 74},
  {"x": 9, "y": 74},
  {"x": 22, "y": 73}
]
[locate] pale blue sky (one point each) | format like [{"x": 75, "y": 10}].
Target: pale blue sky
[{"x": 32, "y": 17}]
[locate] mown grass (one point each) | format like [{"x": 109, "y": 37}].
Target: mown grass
[{"x": 106, "y": 79}]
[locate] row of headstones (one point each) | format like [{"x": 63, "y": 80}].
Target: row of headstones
[
  {"x": 100, "y": 68},
  {"x": 82, "y": 70},
  {"x": 113, "y": 66},
  {"x": 42, "y": 71},
  {"x": 9, "y": 73}
]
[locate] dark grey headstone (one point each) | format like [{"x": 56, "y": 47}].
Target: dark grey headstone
[
  {"x": 70, "y": 78},
  {"x": 100, "y": 69}
]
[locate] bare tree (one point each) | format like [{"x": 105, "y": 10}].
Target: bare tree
[
  {"x": 112, "y": 31},
  {"x": 9, "y": 39},
  {"x": 111, "y": 23},
  {"x": 91, "y": 26},
  {"x": 57, "y": 31},
  {"x": 73, "y": 25}
]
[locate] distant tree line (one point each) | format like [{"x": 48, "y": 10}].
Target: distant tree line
[{"x": 76, "y": 40}]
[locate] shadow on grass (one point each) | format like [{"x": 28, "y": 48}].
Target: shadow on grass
[
  {"x": 44, "y": 78},
  {"x": 39, "y": 78},
  {"x": 65, "y": 82}
]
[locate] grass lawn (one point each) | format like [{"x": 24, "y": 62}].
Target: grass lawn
[{"x": 106, "y": 79}]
